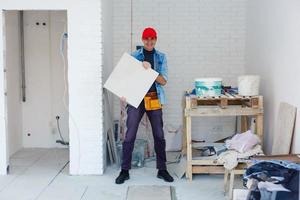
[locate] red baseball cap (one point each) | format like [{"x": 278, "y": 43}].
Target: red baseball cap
[{"x": 149, "y": 33}]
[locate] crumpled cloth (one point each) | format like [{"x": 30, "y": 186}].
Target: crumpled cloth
[
  {"x": 265, "y": 185},
  {"x": 230, "y": 158},
  {"x": 242, "y": 142}
]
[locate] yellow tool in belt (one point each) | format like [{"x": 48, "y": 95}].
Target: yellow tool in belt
[{"x": 151, "y": 101}]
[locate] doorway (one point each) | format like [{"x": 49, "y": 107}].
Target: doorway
[{"x": 36, "y": 72}]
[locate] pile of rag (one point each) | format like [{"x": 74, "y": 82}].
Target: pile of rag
[
  {"x": 240, "y": 146},
  {"x": 272, "y": 180}
]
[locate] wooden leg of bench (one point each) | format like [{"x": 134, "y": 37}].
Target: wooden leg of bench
[
  {"x": 244, "y": 123},
  {"x": 226, "y": 181},
  {"x": 189, "y": 170},
  {"x": 231, "y": 182}
]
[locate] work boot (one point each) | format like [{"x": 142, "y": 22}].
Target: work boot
[
  {"x": 123, "y": 176},
  {"x": 164, "y": 174}
]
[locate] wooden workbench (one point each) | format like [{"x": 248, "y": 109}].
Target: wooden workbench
[{"x": 221, "y": 106}]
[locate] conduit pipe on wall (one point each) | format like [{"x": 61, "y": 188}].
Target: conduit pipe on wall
[{"x": 23, "y": 80}]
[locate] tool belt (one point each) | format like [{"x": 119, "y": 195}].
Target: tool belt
[{"x": 151, "y": 101}]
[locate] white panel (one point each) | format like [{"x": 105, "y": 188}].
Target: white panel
[{"x": 130, "y": 79}]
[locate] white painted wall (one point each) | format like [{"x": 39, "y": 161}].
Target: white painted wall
[
  {"x": 200, "y": 38},
  {"x": 13, "y": 81},
  {"x": 58, "y": 23},
  {"x": 107, "y": 18},
  {"x": 273, "y": 49},
  {"x": 44, "y": 79},
  {"x": 85, "y": 81}
]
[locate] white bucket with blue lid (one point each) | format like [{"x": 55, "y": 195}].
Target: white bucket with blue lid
[{"x": 208, "y": 87}]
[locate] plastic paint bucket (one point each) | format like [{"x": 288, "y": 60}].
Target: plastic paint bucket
[
  {"x": 208, "y": 87},
  {"x": 248, "y": 85}
]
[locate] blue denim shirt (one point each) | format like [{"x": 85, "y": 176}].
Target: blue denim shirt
[{"x": 160, "y": 65}]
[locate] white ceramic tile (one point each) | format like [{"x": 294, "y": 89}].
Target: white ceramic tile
[{"x": 129, "y": 79}]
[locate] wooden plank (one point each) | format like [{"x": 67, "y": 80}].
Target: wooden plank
[
  {"x": 243, "y": 165},
  {"x": 244, "y": 124},
  {"x": 193, "y": 103},
  {"x": 292, "y": 158},
  {"x": 113, "y": 146},
  {"x": 110, "y": 156},
  {"x": 255, "y": 102},
  {"x": 226, "y": 173},
  {"x": 260, "y": 127},
  {"x": 239, "y": 171},
  {"x": 231, "y": 181},
  {"x": 208, "y": 169},
  {"x": 224, "y": 102},
  {"x": 221, "y": 100},
  {"x": 184, "y": 146},
  {"x": 259, "y": 121},
  {"x": 188, "y": 102},
  {"x": 230, "y": 111},
  {"x": 189, "y": 173},
  {"x": 208, "y": 162},
  {"x": 205, "y": 162},
  {"x": 284, "y": 129}
]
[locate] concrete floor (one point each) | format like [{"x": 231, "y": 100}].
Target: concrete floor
[{"x": 43, "y": 174}]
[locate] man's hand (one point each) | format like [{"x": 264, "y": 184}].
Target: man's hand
[
  {"x": 123, "y": 99},
  {"x": 146, "y": 65},
  {"x": 160, "y": 79}
]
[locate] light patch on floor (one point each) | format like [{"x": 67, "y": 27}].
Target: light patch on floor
[
  {"x": 149, "y": 192},
  {"x": 42, "y": 174}
]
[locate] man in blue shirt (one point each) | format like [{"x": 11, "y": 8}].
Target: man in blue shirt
[{"x": 156, "y": 60}]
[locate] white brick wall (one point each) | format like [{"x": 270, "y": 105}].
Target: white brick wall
[
  {"x": 85, "y": 81},
  {"x": 107, "y": 18},
  {"x": 85, "y": 93},
  {"x": 202, "y": 38}
]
